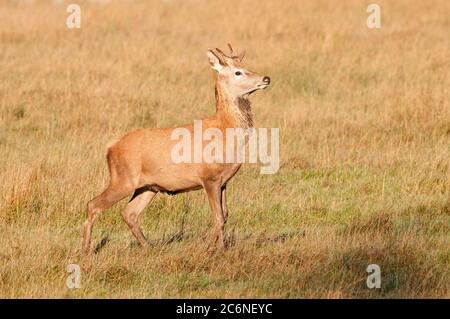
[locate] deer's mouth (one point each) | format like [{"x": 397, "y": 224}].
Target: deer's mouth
[
  {"x": 246, "y": 94},
  {"x": 258, "y": 87}
]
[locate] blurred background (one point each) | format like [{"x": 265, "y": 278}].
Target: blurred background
[{"x": 364, "y": 120}]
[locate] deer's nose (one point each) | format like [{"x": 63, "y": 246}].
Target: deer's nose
[{"x": 266, "y": 80}]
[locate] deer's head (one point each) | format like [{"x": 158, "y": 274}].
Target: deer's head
[{"x": 232, "y": 77}]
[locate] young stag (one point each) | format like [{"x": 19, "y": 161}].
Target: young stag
[{"x": 140, "y": 162}]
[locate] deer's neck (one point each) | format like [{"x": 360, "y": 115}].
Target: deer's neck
[{"x": 237, "y": 112}]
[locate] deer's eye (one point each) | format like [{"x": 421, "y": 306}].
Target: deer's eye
[{"x": 237, "y": 73}]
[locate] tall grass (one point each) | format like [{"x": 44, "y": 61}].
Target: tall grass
[{"x": 364, "y": 117}]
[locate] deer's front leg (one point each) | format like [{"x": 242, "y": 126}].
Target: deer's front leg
[
  {"x": 224, "y": 204},
  {"x": 214, "y": 192}
]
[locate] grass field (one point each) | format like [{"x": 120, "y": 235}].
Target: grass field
[{"x": 364, "y": 118}]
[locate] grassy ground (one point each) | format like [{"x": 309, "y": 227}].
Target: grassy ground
[{"x": 364, "y": 117}]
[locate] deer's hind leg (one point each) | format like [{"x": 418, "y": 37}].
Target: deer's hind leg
[
  {"x": 141, "y": 198},
  {"x": 106, "y": 199},
  {"x": 122, "y": 184}
]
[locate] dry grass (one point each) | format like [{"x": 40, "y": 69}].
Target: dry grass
[{"x": 365, "y": 126}]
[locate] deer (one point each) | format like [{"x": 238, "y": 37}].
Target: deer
[{"x": 140, "y": 163}]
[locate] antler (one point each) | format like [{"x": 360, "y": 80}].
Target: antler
[
  {"x": 231, "y": 56},
  {"x": 242, "y": 55},
  {"x": 223, "y": 54},
  {"x": 231, "y": 50}
]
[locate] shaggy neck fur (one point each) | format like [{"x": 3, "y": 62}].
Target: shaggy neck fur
[{"x": 237, "y": 110}]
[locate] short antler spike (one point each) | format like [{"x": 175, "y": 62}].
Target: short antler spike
[
  {"x": 221, "y": 52},
  {"x": 231, "y": 50},
  {"x": 231, "y": 56},
  {"x": 242, "y": 55}
]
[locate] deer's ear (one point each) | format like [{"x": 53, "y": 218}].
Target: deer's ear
[{"x": 216, "y": 63}]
